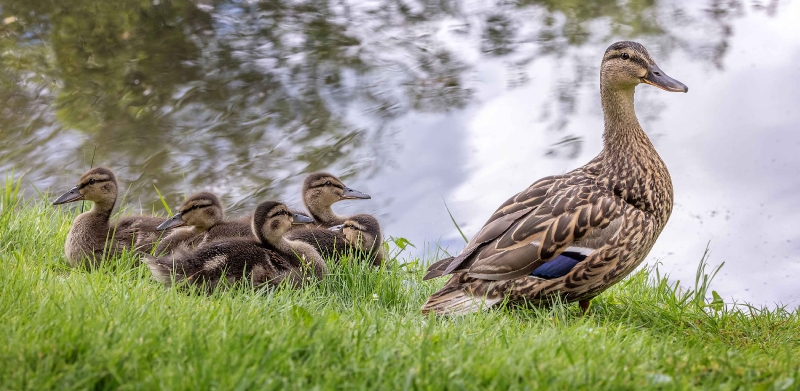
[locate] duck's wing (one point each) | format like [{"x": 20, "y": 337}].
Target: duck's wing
[
  {"x": 569, "y": 215},
  {"x": 508, "y": 214},
  {"x": 465, "y": 293},
  {"x": 572, "y": 220}
]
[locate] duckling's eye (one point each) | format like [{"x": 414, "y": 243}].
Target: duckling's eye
[
  {"x": 328, "y": 183},
  {"x": 626, "y": 56},
  {"x": 92, "y": 181}
]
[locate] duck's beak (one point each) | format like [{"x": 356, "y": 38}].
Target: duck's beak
[
  {"x": 351, "y": 194},
  {"x": 656, "y": 77},
  {"x": 174, "y": 221},
  {"x": 336, "y": 228},
  {"x": 72, "y": 195},
  {"x": 297, "y": 218}
]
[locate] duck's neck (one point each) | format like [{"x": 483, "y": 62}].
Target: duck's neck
[
  {"x": 623, "y": 134},
  {"x": 324, "y": 215},
  {"x": 103, "y": 208},
  {"x": 629, "y": 162}
]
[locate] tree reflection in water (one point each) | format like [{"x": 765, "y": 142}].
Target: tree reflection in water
[{"x": 242, "y": 95}]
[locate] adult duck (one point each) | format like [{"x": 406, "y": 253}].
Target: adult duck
[{"x": 573, "y": 235}]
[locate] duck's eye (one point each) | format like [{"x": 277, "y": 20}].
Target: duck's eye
[
  {"x": 92, "y": 181},
  {"x": 328, "y": 183},
  {"x": 625, "y": 56}
]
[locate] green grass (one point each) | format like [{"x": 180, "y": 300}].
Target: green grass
[{"x": 115, "y": 328}]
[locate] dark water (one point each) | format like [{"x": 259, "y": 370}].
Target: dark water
[{"x": 417, "y": 103}]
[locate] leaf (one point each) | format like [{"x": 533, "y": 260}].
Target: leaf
[
  {"x": 717, "y": 304},
  {"x": 402, "y": 243}
]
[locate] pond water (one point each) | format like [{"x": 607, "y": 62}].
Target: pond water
[{"x": 418, "y": 103}]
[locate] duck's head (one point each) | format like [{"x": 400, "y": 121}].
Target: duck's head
[
  {"x": 626, "y": 64},
  {"x": 201, "y": 210},
  {"x": 321, "y": 190},
  {"x": 98, "y": 185},
  {"x": 272, "y": 219},
  {"x": 362, "y": 231}
]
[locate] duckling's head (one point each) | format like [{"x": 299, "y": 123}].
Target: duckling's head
[
  {"x": 272, "y": 219},
  {"x": 362, "y": 231},
  {"x": 98, "y": 185},
  {"x": 201, "y": 210},
  {"x": 626, "y": 64},
  {"x": 321, "y": 190}
]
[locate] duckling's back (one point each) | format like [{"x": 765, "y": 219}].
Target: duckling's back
[
  {"x": 329, "y": 244},
  {"x": 226, "y": 262},
  {"x": 228, "y": 229}
]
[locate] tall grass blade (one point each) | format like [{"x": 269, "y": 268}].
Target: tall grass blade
[
  {"x": 163, "y": 201},
  {"x": 454, "y": 222}
]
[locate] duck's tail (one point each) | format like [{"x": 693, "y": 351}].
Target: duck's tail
[
  {"x": 437, "y": 269},
  {"x": 161, "y": 268},
  {"x": 455, "y": 299}
]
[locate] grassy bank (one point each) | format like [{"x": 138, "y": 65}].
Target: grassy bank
[{"x": 115, "y": 328}]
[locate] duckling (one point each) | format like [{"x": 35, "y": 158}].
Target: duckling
[
  {"x": 267, "y": 258},
  {"x": 359, "y": 234},
  {"x": 92, "y": 237},
  {"x": 320, "y": 191},
  {"x": 200, "y": 219},
  {"x": 572, "y": 236}
]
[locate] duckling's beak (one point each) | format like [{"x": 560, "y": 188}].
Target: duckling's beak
[
  {"x": 656, "y": 77},
  {"x": 73, "y": 194},
  {"x": 175, "y": 221},
  {"x": 336, "y": 228},
  {"x": 297, "y": 218},
  {"x": 351, "y": 194}
]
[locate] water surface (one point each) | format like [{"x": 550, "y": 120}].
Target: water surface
[{"x": 417, "y": 103}]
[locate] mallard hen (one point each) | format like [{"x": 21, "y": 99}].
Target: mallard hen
[
  {"x": 200, "y": 219},
  {"x": 267, "y": 258},
  {"x": 572, "y": 235},
  {"x": 92, "y": 237}
]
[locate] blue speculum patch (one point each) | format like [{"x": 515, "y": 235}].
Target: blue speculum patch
[{"x": 559, "y": 266}]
